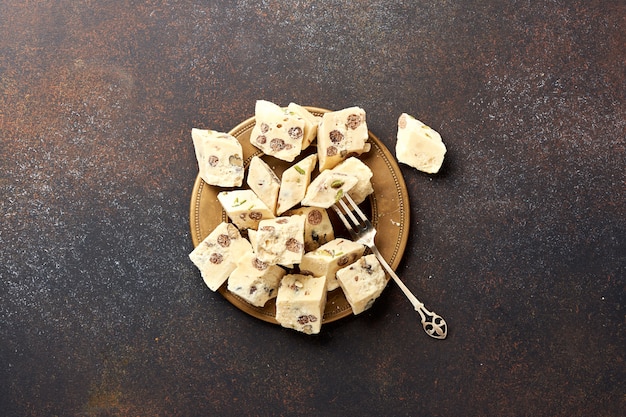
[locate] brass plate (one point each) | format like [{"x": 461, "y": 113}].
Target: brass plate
[{"x": 388, "y": 208}]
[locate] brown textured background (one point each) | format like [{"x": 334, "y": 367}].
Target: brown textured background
[{"x": 519, "y": 242}]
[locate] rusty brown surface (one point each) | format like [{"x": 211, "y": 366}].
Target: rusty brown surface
[{"x": 518, "y": 242}]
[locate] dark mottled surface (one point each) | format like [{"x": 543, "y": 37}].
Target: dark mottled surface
[{"x": 519, "y": 242}]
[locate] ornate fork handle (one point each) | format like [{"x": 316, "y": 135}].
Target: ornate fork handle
[{"x": 434, "y": 325}]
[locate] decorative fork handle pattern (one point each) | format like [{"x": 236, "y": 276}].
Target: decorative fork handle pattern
[{"x": 434, "y": 325}]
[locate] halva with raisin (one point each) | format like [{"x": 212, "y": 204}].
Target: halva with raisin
[
  {"x": 301, "y": 302},
  {"x": 219, "y": 157},
  {"x": 362, "y": 282},
  {"x": 216, "y": 256}
]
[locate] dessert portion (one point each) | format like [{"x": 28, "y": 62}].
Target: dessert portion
[
  {"x": 362, "y": 282},
  {"x": 418, "y": 145},
  {"x": 328, "y": 188},
  {"x": 264, "y": 182},
  {"x": 329, "y": 258},
  {"x": 295, "y": 181},
  {"x": 216, "y": 256},
  {"x": 244, "y": 208},
  {"x": 310, "y": 123},
  {"x": 318, "y": 228},
  {"x": 277, "y": 131},
  {"x": 300, "y": 302},
  {"x": 220, "y": 157},
  {"x": 254, "y": 280},
  {"x": 354, "y": 166},
  {"x": 341, "y": 134},
  {"x": 280, "y": 241}
]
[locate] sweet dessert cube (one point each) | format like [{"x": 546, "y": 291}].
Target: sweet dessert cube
[
  {"x": 300, "y": 302},
  {"x": 295, "y": 181},
  {"x": 254, "y": 280},
  {"x": 220, "y": 157},
  {"x": 310, "y": 123},
  {"x": 264, "y": 182},
  {"x": 363, "y": 188},
  {"x": 244, "y": 208},
  {"x": 318, "y": 228},
  {"x": 328, "y": 188},
  {"x": 277, "y": 132},
  {"x": 362, "y": 282},
  {"x": 418, "y": 145},
  {"x": 216, "y": 256},
  {"x": 280, "y": 241},
  {"x": 341, "y": 134},
  {"x": 329, "y": 258}
]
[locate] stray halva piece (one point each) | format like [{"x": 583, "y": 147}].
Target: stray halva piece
[
  {"x": 216, "y": 256},
  {"x": 318, "y": 228},
  {"x": 418, "y": 145},
  {"x": 244, "y": 208},
  {"x": 362, "y": 282},
  {"x": 301, "y": 302},
  {"x": 340, "y": 135},
  {"x": 329, "y": 258},
  {"x": 294, "y": 183},
  {"x": 277, "y": 132},
  {"x": 280, "y": 240},
  {"x": 328, "y": 188},
  {"x": 264, "y": 182},
  {"x": 254, "y": 280},
  {"x": 219, "y": 157}
]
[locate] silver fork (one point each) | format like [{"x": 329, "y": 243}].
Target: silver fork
[{"x": 363, "y": 232}]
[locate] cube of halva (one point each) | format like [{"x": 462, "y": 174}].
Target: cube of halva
[
  {"x": 362, "y": 282},
  {"x": 328, "y": 188},
  {"x": 220, "y": 157},
  {"x": 318, "y": 228},
  {"x": 277, "y": 132},
  {"x": 310, "y": 123},
  {"x": 254, "y": 280},
  {"x": 329, "y": 258},
  {"x": 294, "y": 183},
  {"x": 264, "y": 182},
  {"x": 244, "y": 208},
  {"x": 363, "y": 188},
  {"x": 216, "y": 256},
  {"x": 280, "y": 240},
  {"x": 341, "y": 134},
  {"x": 418, "y": 145},
  {"x": 301, "y": 302}
]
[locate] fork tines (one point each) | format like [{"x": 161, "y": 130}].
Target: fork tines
[{"x": 347, "y": 215}]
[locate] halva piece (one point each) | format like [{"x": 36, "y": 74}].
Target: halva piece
[
  {"x": 277, "y": 132},
  {"x": 254, "y": 280},
  {"x": 216, "y": 256},
  {"x": 341, "y": 134},
  {"x": 328, "y": 188},
  {"x": 329, "y": 258},
  {"x": 294, "y": 183},
  {"x": 280, "y": 240},
  {"x": 318, "y": 228},
  {"x": 418, "y": 145},
  {"x": 301, "y": 302},
  {"x": 244, "y": 208},
  {"x": 310, "y": 123},
  {"x": 363, "y": 188},
  {"x": 264, "y": 182},
  {"x": 220, "y": 157},
  {"x": 362, "y": 282}
]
